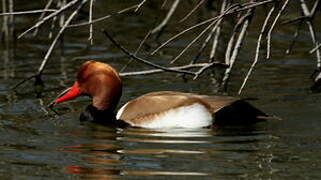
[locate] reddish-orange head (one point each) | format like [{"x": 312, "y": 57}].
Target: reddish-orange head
[{"x": 98, "y": 80}]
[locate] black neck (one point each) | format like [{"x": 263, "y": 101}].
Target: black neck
[{"x": 105, "y": 117}]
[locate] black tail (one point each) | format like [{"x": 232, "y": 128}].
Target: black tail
[{"x": 239, "y": 113}]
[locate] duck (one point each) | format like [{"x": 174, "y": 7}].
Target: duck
[{"x": 160, "y": 109}]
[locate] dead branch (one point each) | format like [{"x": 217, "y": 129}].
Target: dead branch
[
  {"x": 204, "y": 44},
  {"x": 295, "y": 37},
  {"x": 192, "y": 42},
  {"x": 103, "y": 18},
  {"x": 210, "y": 33},
  {"x": 307, "y": 13},
  {"x": 42, "y": 15},
  {"x": 27, "y": 12},
  {"x": 45, "y": 19},
  {"x": 90, "y": 38},
  {"x": 140, "y": 5},
  {"x": 192, "y": 11},
  {"x": 143, "y": 60},
  {"x": 231, "y": 60},
  {"x": 217, "y": 32},
  {"x": 189, "y": 66},
  {"x": 162, "y": 25},
  {"x": 257, "y": 53},
  {"x": 45, "y": 60},
  {"x": 208, "y": 66},
  {"x": 269, "y": 34},
  {"x": 314, "y": 49},
  {"x": 138, "y": 48},
  {"x": 232, "y": 9}
]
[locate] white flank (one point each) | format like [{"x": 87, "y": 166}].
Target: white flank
[
  {"x": 193, "y": 116},
  {"x": 120, "y": 111}
]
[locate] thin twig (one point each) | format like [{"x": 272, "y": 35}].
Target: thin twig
[
  {"x": 139, "y": 47},
  {"x": 90, "y": 21},
  {"x": 257, "y": 53},
  {"x": 207, "y": 66},
  {"x": 217, "y": 32},
  {"x": 306, "y": 12},
  {"x": 163, "y": 5},
  {"x": 204, "y": 44},
  {"x": 22, "y": 82},
  {"x": 316, "y": 5},
  {"x": 268, "y": 37},
  {"x": 140, "y": 5},
  {"x": 62, "y": 29},
  {"x": 300, "y": 18},
  {"x": 192, "y": 42},
  {"x": 153, "y": 71},
  {"x": 232, "y": 9},
  {"x": 42, "y": 15},
  {"x": 193, "y": 10},
  {"x": 39, "y": 23},
  {"x": 315, "y": 42},
  {"x": 103, "y": 18},
  {"x": 161, "y": 26},
  {"x": 28, "y": 12},
  {"x": 192, "y": 27},
  {"x": 315, "y": 48},
  {"x": 231, "y": 45},
  {"x": 236, "y": 48},
  {"x": 295, "y": 37},
  {"x": 143, "y": 60}
]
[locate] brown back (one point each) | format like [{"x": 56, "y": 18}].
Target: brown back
[{"x": 158, "y": 102}]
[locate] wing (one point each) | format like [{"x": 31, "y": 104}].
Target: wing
[{"x": 158, "y": 102}]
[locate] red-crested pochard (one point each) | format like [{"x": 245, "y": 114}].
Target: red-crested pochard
[{"x": 163, "y": 109}]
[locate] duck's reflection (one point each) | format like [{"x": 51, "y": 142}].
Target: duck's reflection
[{"x": 111, "y": 153}]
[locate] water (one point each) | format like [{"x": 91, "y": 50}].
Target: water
[{"x": 37, "y": 144}]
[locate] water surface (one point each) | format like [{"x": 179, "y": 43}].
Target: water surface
[{"x": 37, "y": 144}]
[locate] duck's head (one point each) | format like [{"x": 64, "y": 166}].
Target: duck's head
[{"x": 98, "y": 80}]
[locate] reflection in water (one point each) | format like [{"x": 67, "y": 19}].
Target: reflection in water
[
  {"x": 135, "y": 152},
  {"x": 34, "y": 145}
]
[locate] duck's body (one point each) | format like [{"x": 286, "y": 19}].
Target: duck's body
[{"x": 164, "y": 109}]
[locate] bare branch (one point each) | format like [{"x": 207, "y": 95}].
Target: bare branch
[
  {"x": 139, "y": 47},
  {"x": 316, "y": 5},
  {"x": 217, "y": 32},
  {"x": 28, "y": 12},
  {"x": 39, "y": 23},
  {"x": 193, "y": 10},
  {"x": 45, "y": 60},
  {"x": 42, "y": 15},
  {"x": 103, "y": 18},
  {"x": 153, "y": 71},
  {"x": 192, "y": 42},
  {"x": 232, "y": 9},
  {"x": 268, "y": 37},
  {"x": 296, "y": 35},
  {"x": 204, "y": 44},
  {"x": 143, "y": 60},
  {"x": 207, "y": 66},
  {"x": 306, "y": 12},
  {"x": 90, "y": 21},
  {"x": 167, "y": 18},
  {"x": 236, "y": 48},
  {"x": 140, "y": 5},
  {"x": 314, "y": 49},
  {"x": 264, "y": 26}
]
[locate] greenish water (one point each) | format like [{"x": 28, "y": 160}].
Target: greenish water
[{"x": 38, "y": 145}]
